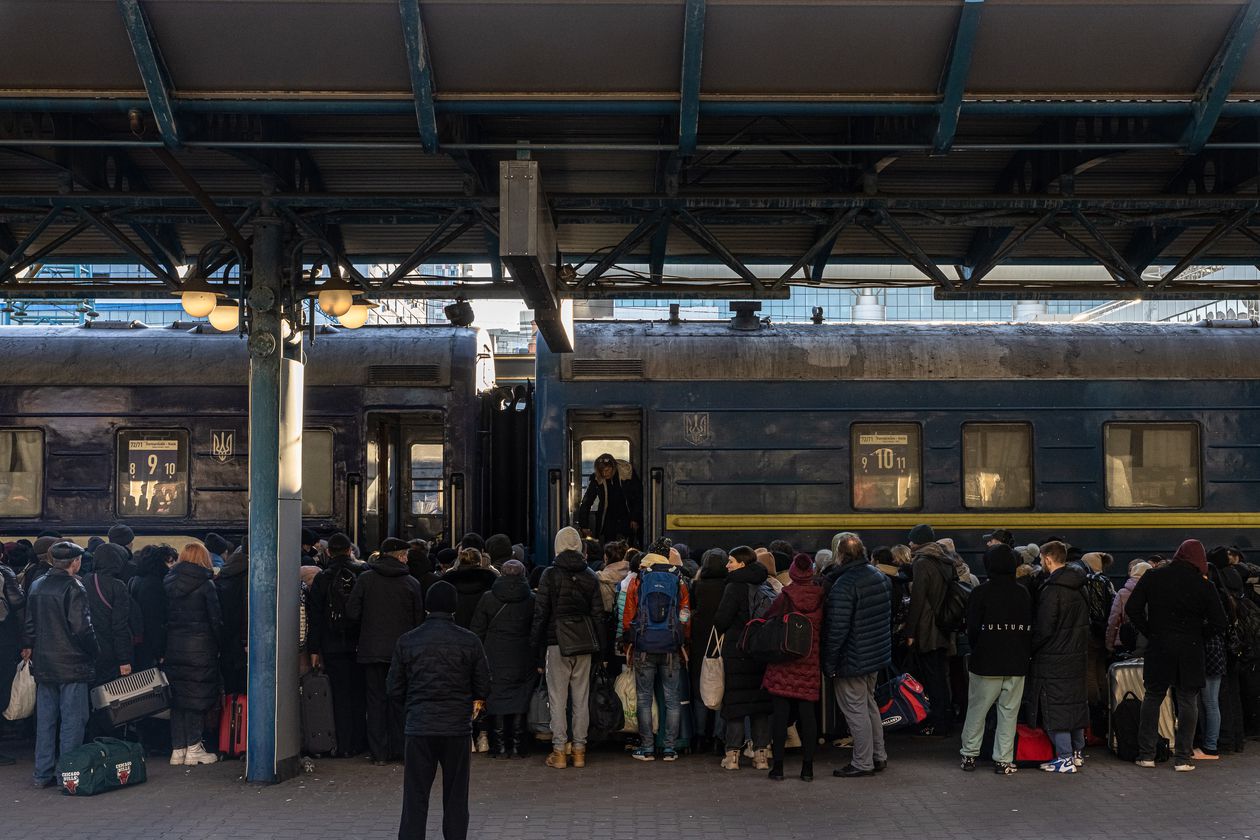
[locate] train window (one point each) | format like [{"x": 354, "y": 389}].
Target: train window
[
  {"x": 1152, "y": 465},
  {"x": 317, "y": 472},
  {"x": 886, "y": 464},
  {"x": 152, "y": 472},
  {"x": 21, "y": 472},
  {"x": 592, "y": 448},
  {"x": 426, "y": 479},
  {"x": 997, "y": 466}
]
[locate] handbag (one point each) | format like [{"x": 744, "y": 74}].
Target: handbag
[
  {"x": 712, "y": 675},
  {"x": 902, "y": 702},
  {"x": 576, "y": 635},
  {"x": 778, "y": 638},
  {"x": 22, "y": 695},
  {"x": 540, "y": 710},
  {"x": 606, "y": 713}
]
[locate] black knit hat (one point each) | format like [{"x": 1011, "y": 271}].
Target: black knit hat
[
  {"x": 499, "y": 547},
  {"x": 215, "y": 544},
  {"x": 122, "y": 535},
  {"x": 921, "y": 535},
  {"x": 338, "y": 543},
  {"x": 309, "y": 537},
  {"x": 441, "y": 598},
  {"x": 1000, "y": 560}
]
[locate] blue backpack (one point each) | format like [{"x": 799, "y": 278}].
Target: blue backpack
[{"x": 656, "y": 626}]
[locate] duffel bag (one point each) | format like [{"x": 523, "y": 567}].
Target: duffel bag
[
  {"x": 101, "y": 765},
  {"x": 540, "y": 710},
  {"x": 782, "y": 638},
  {"x": 902, "y": 702},
  {"x": 606, "y": 713}
]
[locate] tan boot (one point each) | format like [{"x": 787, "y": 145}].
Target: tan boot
[
  {"x": 761, "y": 761},
  {"x": 579, "y": 756},
  {"x": 731, "y": 761},
  {"x": 556, "y": 759}
]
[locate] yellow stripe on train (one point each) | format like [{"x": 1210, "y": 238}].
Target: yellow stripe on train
[{"x": 986, "y": 521}]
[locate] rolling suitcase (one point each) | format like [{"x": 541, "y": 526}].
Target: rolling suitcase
[
  {"x": 1125, "y": 678},
  {"x": 233, "y": 725},
  {"x": 130, "y": 698},
  {"x": 319, "y": 728}
]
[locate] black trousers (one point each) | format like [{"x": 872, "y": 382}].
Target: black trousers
[
  {"x": 931, "y": 668},
  {"x": 805, "y": 714},
  {"x": 424, "y": 755},
  {"x": 349, "y": 702},
  {"x": 384, "y": 718},
  {"x": 1187, "y": 700}
]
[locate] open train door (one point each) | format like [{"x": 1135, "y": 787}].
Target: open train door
[
  {"x": 407, "y": 491},
  {"x": 619, "y": 432}
]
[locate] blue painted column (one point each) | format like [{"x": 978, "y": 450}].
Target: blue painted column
[{"x": 275, "y": 453}]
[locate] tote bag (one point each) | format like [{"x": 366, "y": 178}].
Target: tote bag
[
  {"x": 22, "y": 695},
  {"x": 712, "y": 678}
]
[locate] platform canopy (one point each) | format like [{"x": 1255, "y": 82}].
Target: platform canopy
[{"x": 954, "y": 136}]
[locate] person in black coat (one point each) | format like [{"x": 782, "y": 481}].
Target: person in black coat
[
  {"x": 387, "y": 602},
  {"x": 502, "y": 621},
  {"x": 12, "y": 599},
  {"x": 194, "y": 625},
  {"x": 612, "y": 506},
  {"x": 1230, "y": 587},
  {"x": 439, "y": 673},
  {"x": 1056, "y": 693},
  {"x": 153, "y": 562},
  {"x": 111, "y": 607},
  {"x": 1175, "y": 608},
  {"x": 333, "y": 639},
  {"x": 999, "y": 628},
  {"x": 420, "y": 564},
  {"x": 471, "y": 581},
  {"x": 232, "y": 584},
  {"x": 706, "y": 594},
  {"x": 743, "y": 696}
]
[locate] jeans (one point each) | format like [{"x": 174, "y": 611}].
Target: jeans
[
  {"x": 569, "y": 678},
  {"x": 1067, "y": 741},
  {"x": 424, "y": 754},
  {"x": 60, "y": 709},
  {"x": 856, "y": 698},
  {"x": 1211, "y": 698},
  {"x": 1187, "y": 719},
  {"x": 646, "y": 668},
  {"x": 982, "y": 694},
  {"x": 760, "y": 732},
  {"x": 805, "y": 713}
]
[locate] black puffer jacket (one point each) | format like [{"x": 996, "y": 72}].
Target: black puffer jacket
[
  {"x": 706, "y": 594},
  {"x": 743, "y": 694},
  {"x": 58, "y": 626},
  {"x": 857, "y": 632},
  {"x": 112, "y": 612},
  {"x": 470, "y": 582},
  {"x": 437, "y": 671},
  {"x": 502, "y": 621},
  {"x": 232, "y": 585},
  {"x": 1056, "y": 691},
  {"x": 567, "y": 588},
  {"x": 387, "y": 602},
  {"x": 13, "y": 599},
  {"x": 322, "y": 636},
  {"x": 194, "y": 625},
  {"x": 1175, "y": 608},
  {"x": 150, "y": 597}
]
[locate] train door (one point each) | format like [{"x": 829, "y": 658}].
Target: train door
[
  {"x": 408, "y": 493},
  {"x": 591, "y": 434}
]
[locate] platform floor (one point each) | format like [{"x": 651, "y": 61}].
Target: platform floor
[{"x": 922, "y": 795}]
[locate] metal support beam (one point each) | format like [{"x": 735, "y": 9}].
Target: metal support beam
[
  {"x": 421, "y": 69},
  {"x": 1215, "y": 87},
  {"x": 275, "y": 435},
  {"x": 120, "y": 239},
  {"x": 625, "y": 246},
  {"x": 152, "y": 70},
  {"x": 691, "y": 226},
  {"x": 1204, "y": 245},
  {"x": 914, "y": 254},
  {"x": 438, "y": 238},
  {"x": 659, "y": 248},
  {"x": 821, "y": 249},
  {"x": 954, "y": 79},
  {"x": 689, "y": 89}
]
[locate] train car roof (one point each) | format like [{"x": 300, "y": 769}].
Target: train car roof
[
  {"x": 706, "y": 350},
  {"x": 403, "y": 356}
]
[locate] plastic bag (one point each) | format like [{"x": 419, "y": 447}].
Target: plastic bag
[
  {"x": 22, "y": 697},
  {"x": 629, "y": 695}
]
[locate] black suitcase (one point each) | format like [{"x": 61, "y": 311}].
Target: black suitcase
[
  {"x": 319, "y": 730},
  {"x": 138, "y": 695}
]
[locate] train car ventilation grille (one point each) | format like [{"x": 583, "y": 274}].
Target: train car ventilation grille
[
  {"x": 607, "y": 369},
  {"x": 403, "y": 375}
]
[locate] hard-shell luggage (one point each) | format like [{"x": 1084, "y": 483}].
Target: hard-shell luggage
[
  {"x": 101, "y": 765},
  {"x": 138, "y": 695},
  {"x": 1124, "y": 678},
  {"x": 233, "y": 725},
  {"x": 319, "y": 727}
]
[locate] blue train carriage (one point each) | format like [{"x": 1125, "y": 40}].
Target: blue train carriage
[
  {"x": 1126, "y": 438},
  {"x": 149, "y": 426}
]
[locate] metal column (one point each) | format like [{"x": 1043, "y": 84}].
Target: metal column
[{"x": 275, "y": 494}]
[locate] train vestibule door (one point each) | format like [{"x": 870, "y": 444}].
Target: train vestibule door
[
  {"x": 407, "y": 492},
  {"x": 590, "y": 434}
]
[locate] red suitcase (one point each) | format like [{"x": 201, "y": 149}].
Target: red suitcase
[{"x": 233, "y": 725}]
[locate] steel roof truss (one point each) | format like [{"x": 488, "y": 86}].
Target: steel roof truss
[
  {"x": 419, "y": 65},
  {"x": 954, "y": 78},
  {"x": 152, "y": 70}
]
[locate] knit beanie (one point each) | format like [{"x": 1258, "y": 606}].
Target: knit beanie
[
  {"x": 499, "y": 547},
  {"x": 441, "y": 598},
  {"x": 568, "y": 539},
  {"x": 802, "y": 568},
  {"x": 1000, "y": 561},
  {"x": 122, "y": 535},
  {"x": 514, "y": 568},
  {"x": 919, "y": 535}
]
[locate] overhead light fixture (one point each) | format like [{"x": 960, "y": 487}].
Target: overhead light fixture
[
  {"x": 198, "y": 297},
  {"x": 460, "y": 313},
  {"x": 226, "y": 315},
  {"x": 357, "y": 315},
  {"x": 336, "y": 296}
]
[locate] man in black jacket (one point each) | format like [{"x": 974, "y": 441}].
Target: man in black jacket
[
  {"x": 1175, "y": 608},
  {"x": 999, "y": 628},
  {"x": 387, "y": 602},
  {"x": 440, "y": 674},
  {"x": 61, "y": 646},
  {"x": 332, "y": 638}
]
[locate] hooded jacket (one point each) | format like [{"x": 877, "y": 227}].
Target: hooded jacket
[
  {"x": 799, "y": 679},
  {"x": 858, "y": 640},
  {"x": 706, "y": 594},
  {"x": 1175, "y": 608},
  {"x": 568, "y": 587},
  {"x": 387, "y": 602},
  {"x": 1056, "y": 692},
  {"x": 436, "y": 672},
  {"x": 470, "y": 582},
  {"x": 932, "y": 572},
  {"x": 112, "y": 611},
  {"x": 150, "y": 597},
  {"x": 502, "y": 621},
  {"x": 232, "y": 586},
  {"x": 999, "y": 626},
  {"x": 58, "y": 626},
  {"x": 620, "y": 503},
  {"x": 322, "y": 638},
  {"x": 743, "y": 693},
  {"x": 194, "y": 625}
]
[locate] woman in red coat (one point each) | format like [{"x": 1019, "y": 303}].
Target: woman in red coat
[{"x": 795, "y": 686}]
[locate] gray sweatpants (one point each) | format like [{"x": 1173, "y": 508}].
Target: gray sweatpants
[
  {"x": 856, "y": 697},
  {"x": 568, "y": 678}
]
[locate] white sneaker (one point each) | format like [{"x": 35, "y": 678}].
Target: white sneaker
[
  {"x": 177, "y": 756},
  {"x": 483, "y": 742},
  {"x": 1145, "y": 762},
  {"x": 197, "y": 755}
]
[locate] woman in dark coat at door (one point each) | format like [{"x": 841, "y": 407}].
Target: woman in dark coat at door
[
  {"x": 502, "y": 621},
  {"x": 743, "y": 696},
  {"x": 194, "y": 625},
  {"x": 706, "y": 594}
]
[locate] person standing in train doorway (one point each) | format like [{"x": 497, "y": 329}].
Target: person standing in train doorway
[{"x": 619, "y": 493}]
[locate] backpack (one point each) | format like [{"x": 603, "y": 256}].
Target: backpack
[
  {"x": 759, "y": 600},
  {"x": 339, "y": 588},
  {"x": 656, "y": 627},
  {"x": 1099, "y": 594},
  {"x": 1125, "y": 718},
  {"x": 1247, "y": 626},
  {"x": 953, "y": 613}
]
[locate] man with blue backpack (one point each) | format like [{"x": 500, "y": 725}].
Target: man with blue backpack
[{"x": 655, "y": 624}]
